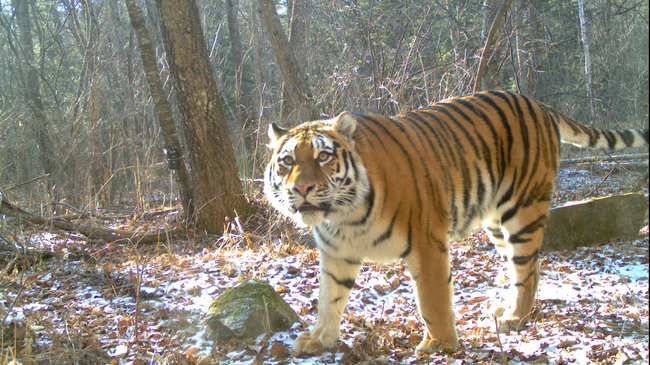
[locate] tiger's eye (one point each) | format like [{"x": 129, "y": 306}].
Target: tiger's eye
[
  {"x": 323, "y": 156},
  {"x": 287, "y": 160}
]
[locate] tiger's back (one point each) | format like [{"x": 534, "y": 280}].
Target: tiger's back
[
  {"x": 464, "y": 158},
  {"x": 402, "y": 187},
  {"x": 479, "y": 156}
]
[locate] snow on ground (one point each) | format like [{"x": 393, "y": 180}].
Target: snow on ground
[{"x": 592, "y": 307}]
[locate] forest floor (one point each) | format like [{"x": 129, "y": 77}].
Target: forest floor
[{"x": 96, "y": 303}]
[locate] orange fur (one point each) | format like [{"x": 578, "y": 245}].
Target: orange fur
[{"x": 400, "y": 188}]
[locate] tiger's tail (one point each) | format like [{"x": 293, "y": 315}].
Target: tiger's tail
[{"x": 585, "y": 136}]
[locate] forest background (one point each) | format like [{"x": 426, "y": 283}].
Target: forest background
[
  {"x": 78, "y": 125},
  {"x": 84, "y": 134}
]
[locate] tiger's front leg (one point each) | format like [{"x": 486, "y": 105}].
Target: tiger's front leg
[{"x": 336, "y": 282}]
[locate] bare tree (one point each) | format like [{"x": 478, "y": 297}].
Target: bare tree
[
  {"x": 97, "y": 171},
  {"x": 245, "y": 106},
  {"x": 585, "y": 45},
  {"x": 32, "y": 90},
  {"x": 218, "y": 192},
  {"x": 525, "y": 47},
  {"x": 295, "y": 82},
  {"x": 478, "y": 83},
  {"x": 163, "y": 110},
  {"x": 72, "y": 101},
  {"x": 297, "y": 44},
  {"x": 298, "y": 30}
]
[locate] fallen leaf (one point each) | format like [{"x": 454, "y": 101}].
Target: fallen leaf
[
  {"x": 478, "y": 299},
  {"x": 279, "y": 350}
]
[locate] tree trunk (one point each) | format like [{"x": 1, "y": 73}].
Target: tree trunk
[
  {"x": 97, "y": 167},
  {"x": 298, "y": 31},
  {"x": 297, "y": 44},
  {"x": 534, "y": 51},
  {"x": 32, "y": 93},
  {"x": 479, "y": 84},
  {"x": 526, "y": 47},
  {"x": 246, "y": 110},
  {"x": 295, "y": 82},
  {"x": 218, "y": 191},
  {"x": 162, "y": 106},
  {"x": 521, "y": 71},
  {"x": 585, "y": 45}
]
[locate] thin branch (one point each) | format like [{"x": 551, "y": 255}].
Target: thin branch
[{"x": 27, "y": 182}]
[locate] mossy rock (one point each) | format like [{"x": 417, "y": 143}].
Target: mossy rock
[
  {"x": 594, "y": 221},
  {"x": 248, "y": 310}
]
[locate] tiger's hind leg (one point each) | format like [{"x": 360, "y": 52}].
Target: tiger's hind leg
[
  {"x": 519, "y": 241},
  {"x": 492, "y": 227}
]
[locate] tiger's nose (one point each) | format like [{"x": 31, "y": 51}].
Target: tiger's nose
[{"x": 303, "y": 189}]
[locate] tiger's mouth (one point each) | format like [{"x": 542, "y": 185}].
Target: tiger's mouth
[{"x": 307, "y": 207}]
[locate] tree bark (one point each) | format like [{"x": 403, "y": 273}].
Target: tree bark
[
  {"x": 295, "y": 82},
  {"x": 298, "y": 46},
  {"x": 245, "y": 106},
  {"x": 298, "y": 31},
  {"x": 479, "y": 85},
  {"x": 218, "y": 192},
  {"x": 161, "y": 105},
  {"x": 534, "y": 51},
  {"x": 585, "y": 45},
  {"x": 97, "y": 168}
]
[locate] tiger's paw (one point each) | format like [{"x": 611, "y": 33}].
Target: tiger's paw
[
  {"x": 430, "y": 346},
  {"x": 507, "y": 321},
  {"x": 505, "y": 325},
  {"x": 314, "y": 342}
]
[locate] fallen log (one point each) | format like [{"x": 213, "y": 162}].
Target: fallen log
[
  {"x": 91, "y": 232},
  {"x": 639, "y": 156},
  {"x": 594, "y": 221}
]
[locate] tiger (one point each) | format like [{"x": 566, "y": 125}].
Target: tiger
[{"x": 401, "y": 188}]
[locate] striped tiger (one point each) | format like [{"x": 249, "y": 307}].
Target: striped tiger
[{"x": 400, "y": 188}]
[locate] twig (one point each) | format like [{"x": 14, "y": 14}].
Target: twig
[
  {"x": 599, "y": 184},
  {"x": 27, "y": 182},
  {"x": 129, "y": 168},
  {"x": 496, "y": 325},
  {"x": 82, "y": 214}
]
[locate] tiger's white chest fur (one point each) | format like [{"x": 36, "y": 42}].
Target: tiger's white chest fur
[{"x": 354, "y": 242}]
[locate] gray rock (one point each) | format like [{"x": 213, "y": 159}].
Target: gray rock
[
  {"x": 594, "y": 221},
  {"x": 248, "y": 310}
]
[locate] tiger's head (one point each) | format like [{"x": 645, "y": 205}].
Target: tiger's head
[{"x": 314, "y": 173}]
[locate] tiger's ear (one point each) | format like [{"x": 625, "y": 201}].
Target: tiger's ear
[
  {"x": 345, "y": 125},
  {"x": 275, "y": 133}
]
